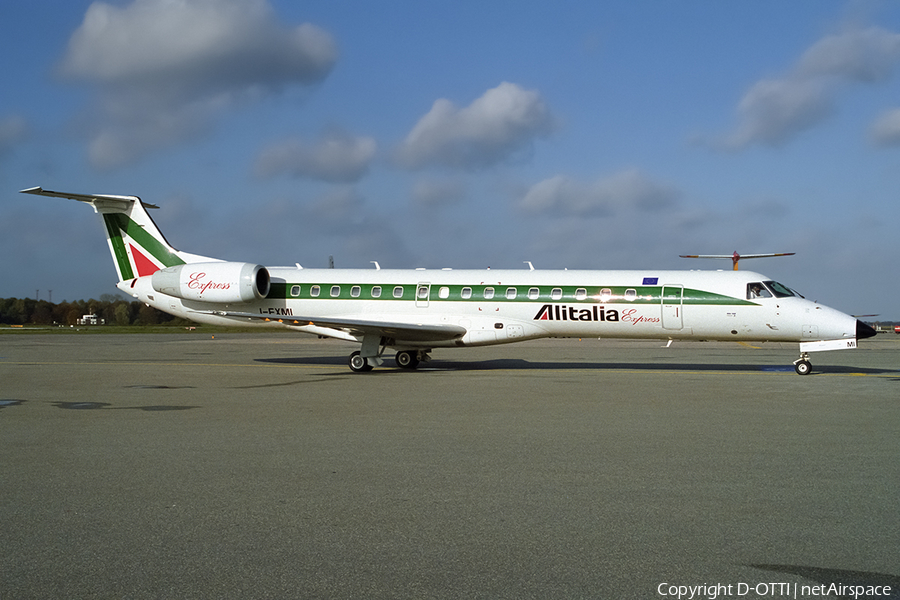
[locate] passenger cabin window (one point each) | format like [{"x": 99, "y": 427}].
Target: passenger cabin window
[
  {"x": 398, "y": 291},
  {"x": 444, "y": 293},
  {"x": 511, "y": 293},
  {"x": 466, "y": 293},
  {"x": 314, "y": 291},
  {"x": 580, "y": 294},
  {"x": 488, "y": 293},
  {"x": 533, "y": 293},
  {"x": 757, "y": 290},
  {"x": 630, "y": 295},
  {"x": 355, "y": 291},
  {"x": 423, "y": 292},
  {"x": 295, "y": 291},
  {"x": 376, "y": 291},
  {"x": 335, "y": 291},
  {"x": 605, "y": 294},
  {"x": 556, "y": 293}
]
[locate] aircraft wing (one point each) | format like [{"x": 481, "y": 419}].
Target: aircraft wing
[{"x": 412, "y": 332}]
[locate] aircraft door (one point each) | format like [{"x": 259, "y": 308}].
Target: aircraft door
[
  {"x": 672, "y": 305},
  {"x": 423, "y": 290}
]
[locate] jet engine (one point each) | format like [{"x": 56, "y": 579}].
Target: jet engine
[{"x": 222, "y": 282}]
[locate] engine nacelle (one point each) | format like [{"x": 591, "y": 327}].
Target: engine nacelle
[{"x": 223, "y": 282}]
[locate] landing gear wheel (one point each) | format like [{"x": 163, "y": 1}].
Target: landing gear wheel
[
  {"x": 803, "y": 367},
  {"x": 407, "y": 359},
  {"x": 358, "y": 363}
]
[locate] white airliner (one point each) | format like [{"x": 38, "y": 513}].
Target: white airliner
[{"x": 414, "y": 311}]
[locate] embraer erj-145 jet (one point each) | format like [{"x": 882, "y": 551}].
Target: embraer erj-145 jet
[{"x": 414, "y": 311}]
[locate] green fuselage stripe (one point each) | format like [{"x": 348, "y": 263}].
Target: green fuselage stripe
[{"x": 646, "y": 295}]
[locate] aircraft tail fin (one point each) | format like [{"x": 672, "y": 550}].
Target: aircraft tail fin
[{"x": 137, "y": 245}]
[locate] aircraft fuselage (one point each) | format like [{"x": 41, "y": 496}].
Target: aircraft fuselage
[
  {"x": 414, "y": 311},
  {"x": 501, "y": 306}
]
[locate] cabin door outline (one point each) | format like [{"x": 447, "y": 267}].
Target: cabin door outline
[{"x": 673, "y": 307}]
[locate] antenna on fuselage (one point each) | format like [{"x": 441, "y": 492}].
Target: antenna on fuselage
[{"x": 736, "y": 257}]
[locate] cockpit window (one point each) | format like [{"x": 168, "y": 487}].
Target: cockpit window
[
  {"x": 757, "y": 290},
  {"x": 779, "y": 290}
]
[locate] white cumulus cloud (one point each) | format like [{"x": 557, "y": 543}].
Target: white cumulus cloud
[
  {"x": 885, "y": 131},
  {"x": 13, "y": 129},
  {"x": 629, "y": 189},
  {"x": 503, "y": 121},
  {"x": 164, "y": 69},
  {"x": 337, "y": 207},
  {"x": 775, "y": 110},
  {"x": 335, "y": 157},
  {"x": 864, "y": 55},
  {"x": 437, "y": 193}
]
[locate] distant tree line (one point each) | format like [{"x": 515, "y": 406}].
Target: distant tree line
[{"x": 111, "y": 308}]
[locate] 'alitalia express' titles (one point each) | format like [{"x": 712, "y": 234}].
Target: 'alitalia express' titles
[
  {"x": 557, "y": 312},
  {"x": 561, "y": 312}
]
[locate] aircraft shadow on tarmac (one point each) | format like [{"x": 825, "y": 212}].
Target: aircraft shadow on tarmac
[
  {"x": 840, "y": 577},
  {"x": 108, "y": 406},
  {"x": 500, "y": 364}
]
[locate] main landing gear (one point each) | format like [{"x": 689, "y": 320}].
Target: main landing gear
[
  {"x": 359, "y": 363},
  {"x": 405, "y": 359},
  {"x": 802, "y": 364}
]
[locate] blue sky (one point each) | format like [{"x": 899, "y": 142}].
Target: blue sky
[{"x": 592, "y": 135}]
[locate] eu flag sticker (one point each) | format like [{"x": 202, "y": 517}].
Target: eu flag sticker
[{"x": 651, "y": 280}]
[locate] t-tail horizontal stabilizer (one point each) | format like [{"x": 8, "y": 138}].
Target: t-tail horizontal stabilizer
[
  {"x": 736, "y": 257},
  {"x": 137, "y": 245}
]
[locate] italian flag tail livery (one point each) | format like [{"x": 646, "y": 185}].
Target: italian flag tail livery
[{"x": 137, "y": 245}]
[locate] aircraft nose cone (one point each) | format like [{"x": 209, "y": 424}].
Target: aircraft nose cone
[{"x": 864, "y": 331}]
